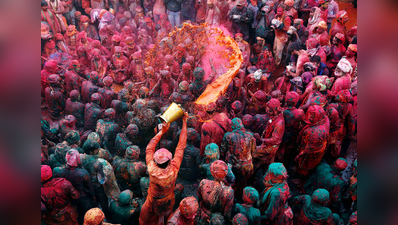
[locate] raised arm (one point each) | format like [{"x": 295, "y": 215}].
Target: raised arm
[{"x": 182, "y": 142}]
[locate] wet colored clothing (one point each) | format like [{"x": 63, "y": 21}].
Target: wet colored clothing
[
  {"x": 108, "y": 130},
  {"x": 329, "y": 178},
  {"x": 123, "y": 214},
  {"x": 72, "y": 81},
  {"x": 122, "y": 142},
  {"x": 177, "y": 219},
  {"x": 214, "y": 197},
  {"x": 88, "y": 88},
  {"x": 56, "y": 195},
  {"x": 92, "y": 113},
  {"x": 252, "y": 214},
  {"x": 213, "y": 131},
  {"x": 121, "y": 108},
  {"x": 311, "y": 213},
  {"x": 206, "y": 173},
  {"x": 294, "y": 120},
  {"x": 312, "y": 142},
  {"x": 273, "y": 134},
  {"x": 160, "y": 199},
  {"x": 107, "y": 95},
  {"x": 237, "y": 148},
  {"x": 338, "y": 28},
  {"x": 336, "y": 138},
  {"x": 272, "y": 203},
  {"x": 55, "y": 99},
  {"x": 337, "y": 52},
  {"x": 128, "y": 173},
  {"x": 189, "y": 169}
]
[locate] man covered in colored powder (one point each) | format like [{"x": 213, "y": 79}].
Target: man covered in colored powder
[
  {"x": 189, "y": 169},
  {"x": 329, "y": 177},
  {"x": 213, "y": 131},
  {"x": 271, "y": 137},
  {"x": 80, "y": 180},
  {"x": 215, "y": 196},
  {"x": 237, "y": 148},
  {"x": 248, "y": 208},
  {"x": 312, "y": 140},
  {"x": 108, "y": 129},
  {"x": 55, "y": 97},
  {"x": 163, "y": 171},
  {"x": 313, "y": 209},
  {"x": 212, "y": 153},
  {"x": 186, "y": 212},
  {"x": 129, "y": 170},
  {"x": 55, "y": 196},
  {"x": 294, "y": 120},
  {"x": 275, "y": 195}
]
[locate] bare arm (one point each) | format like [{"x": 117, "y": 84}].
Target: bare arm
[{"x": 150, "y": 149}]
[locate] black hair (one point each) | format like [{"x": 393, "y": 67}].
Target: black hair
[
  {"x": 90, "y": 146},
  {"x": 293, "y": 46},
  {"x": 315, "y": 59},
  {"x": 44, "y": 3}
]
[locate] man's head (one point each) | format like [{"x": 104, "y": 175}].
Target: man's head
[
  {"x": 338, "y": 39},
  {"x": 277, "y": 94},
  {"x": 96, "y": 98},
  {"x": 298, "y": 23},
  {"x": 344, "y": 96},
  {"x": 279, "y": 11},
  {"x": 94, "y": 216},
  {"x": 165, "y": 74},
  {"x": 110, "y": 114},
  {"x": 219, "y": 170},
  {"x": 162, "y": 157},
  {"x": 74, "y": 95},
  {"x": 212, "y": 151},
  {"x": 189, "y": 208},
  {"x": 125, "y": 197},
  {"x": 314, "y": 114},
  {"x": 132, "y": 131},
  {"x": 46, "y": 173},
  {"x": 291, "y": 98},
  {"x": 72, "y": 158},
  {"x": 248, "y": 121},
  {"x": 238, "y": 37},
  {"x": 132, "y": 152},
  {"x": 210, "y": 4},
  {"x": 240, "y": 219},
  {"x": 192, "y": 135},
  {"x": 343, "y": 67},
  {"x": 51, "y": 66},
  {"x": 91, "y": 147},
  {"x": 130, "y": 42},
  {"x": 44, "y": 5},
  {"x": 139, "y": 11},
  {"x": 294, "y": 48},
  {"x": 316, "y": 60},
  {"x": 324, "y": 3},
  {"x": 288, "y": 4},
  {"x": 116, "y": 39},
  {"x": 342, "y": 17},
  {"x": 320, "y": 196},
  {"x": 54, "y": 80},
  {"x": 321, "y": 27},
  {"x": 351, "y": 51},
  {"x": 183, "y": 87},
  {"x": 199, "y": 73},
  {"x": 250, "y": 195},
  {"x": 236, "y": 124},
  {"x": 312, "y": 43},
  {"x": 241, "y": 4},
  {"x": 69, "y": 120},
  {"x": 72, "y": 137},
  {"x": 340, "y": 164},
  {"x": 276, "y": 173},
  {"x": 85, "y": 20},
  {"x": 273, "y": 107}
]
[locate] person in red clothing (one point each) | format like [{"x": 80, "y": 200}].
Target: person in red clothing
[
  {"x": 50, "y": 67},
  {"x": 163, "y": 170},
  {"x": 214, "y": 195},
  {"x": 186, "y": 212},
  {"x": 55, "y": 196},
  {"x": 339, "y": 25},
  {"x": 294, "y": 119},
  {"x": 272, "y": 136},
  {"x": 312, "y": 140},
  {"x": 213, "y": 130},
  {"x": 338, "y": 50},
  {"x": 321, "y": 34},
  {"x": 343, "y": 73},
  {"x": 323, "y": 5}
]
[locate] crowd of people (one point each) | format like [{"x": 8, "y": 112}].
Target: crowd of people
[{"x": 271, "y": 150}]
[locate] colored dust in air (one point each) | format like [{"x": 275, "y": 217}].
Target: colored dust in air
[{"x": 206, "y": 44}]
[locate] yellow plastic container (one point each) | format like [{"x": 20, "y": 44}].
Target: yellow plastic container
[{"x": 173, "y": 113}]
